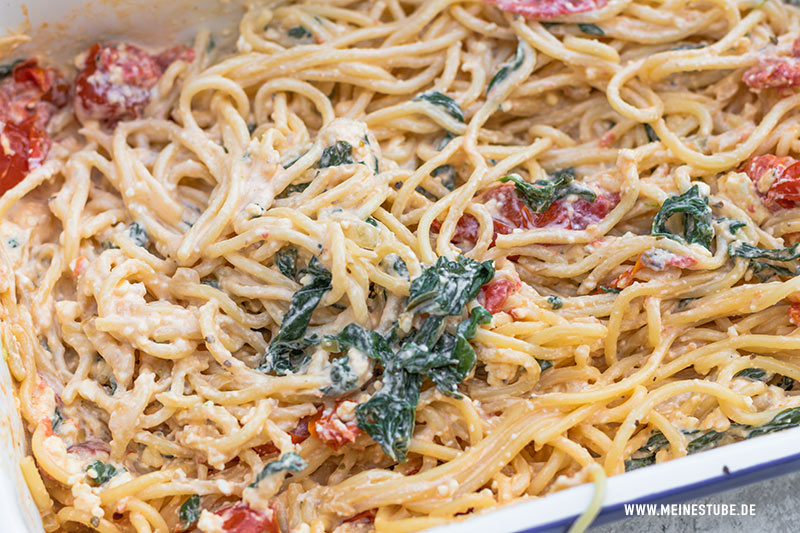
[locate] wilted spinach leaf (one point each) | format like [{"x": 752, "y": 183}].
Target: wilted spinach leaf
[
  {"x": 447, "y": 175},
  {"x": 340, "y": 153},
  {"x": 286, "y": 260},
  {"x": 591, "y": 29},
  {"x": 99, "y": 472},
  {"x": 555, "y": 302},
  {"x": 189, "y": 511},
  {"x": 7, "y": 69},
  {"x": 506, "y": 70},
  {"x": 138, "y": 235},
  {"x": 288, "y": 462},
  {"x": 696, "y": 213},
  {"x": 299, "y": 32},
  {"x": 286, "y": 352},
  {"x": 755, "y": 374},
  {"x": 447, "y": 104},
  {"x": 539, "y": 196},
  {"x": 447, "y": 286}
]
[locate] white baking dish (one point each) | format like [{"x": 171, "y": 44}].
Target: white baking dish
[{"x": 62, "y": 28}]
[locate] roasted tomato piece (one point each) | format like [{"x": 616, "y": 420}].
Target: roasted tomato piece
[
  {"x": 53, "y": 88},
  {"x": 334, "y": 428},
  {"x": 240, "y": 518},
  {"x": 773, "y": 73},
  {"x": 494, "y": 294},
  {"x": 777, "y": 180},
  {"x": 794, "y": 313},
  {"x": 23, "y": 147},
  {"x": 577, "y": 214},
  {"x": 176, "y": 53},
  {"x": 548, "y": 9},
  {"x": 298, "y": 435},
  {"x": 114, "y": 83}
]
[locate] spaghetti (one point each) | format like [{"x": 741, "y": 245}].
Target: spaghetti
[{"x": 389, "y": 263}]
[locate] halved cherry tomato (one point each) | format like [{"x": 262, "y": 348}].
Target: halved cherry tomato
[
  {"x": 794, "y": 313},
  {"x": 777, "y": 180},
  {"x": 548, "y": 9},
  {"x": 332, "y": 430},
  {"x": 240, "y": 518},
  {"x": 773, "y": 73},
  {"x": 494, "y": 294},
  {"x": 298, "y": 435},
  {"x": 116, "y": 80}
]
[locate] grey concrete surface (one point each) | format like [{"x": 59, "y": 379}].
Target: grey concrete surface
[{"x": 777, "y": 509}]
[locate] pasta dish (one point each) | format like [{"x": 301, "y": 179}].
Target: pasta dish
[{"x": 380, "y": 265}]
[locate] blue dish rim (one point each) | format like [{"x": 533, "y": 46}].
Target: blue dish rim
[{"x": 720, "y": 483}]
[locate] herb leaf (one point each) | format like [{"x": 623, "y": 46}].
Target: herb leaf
[
  {"x": 743, "y": 249},
  {"x": 7, "y": 69},
  {"x": 652, "y": 136},
  {"x": 288, "y": 462},
  {"x": 286, "y": 260},
  {"x": 99, "y": 472},
  {"x": 299, "y": 32},
  {"x": 696, "y": 212},
  {"x": 591, "y": 29},
  {"x": 388, "y": 417},
  {"x": 57, "y": 420},
  {"x": 340, "y": 153},
  {"x": 447, "y": 175},
  {"x": 445, "y": 287},
  {"x": 754, "y": 374},
  {"x": 138, "y": 235},
  {"x": 788, "y": 418},
  {"x": 189, "y": 511},
  {"x": 540, "y": 196},
  {"x": 286, "y": 352},
  {"x": 506, "y": 70},
  {"x": 442, "y": 100},
  {"x": 555, "y": 302}
]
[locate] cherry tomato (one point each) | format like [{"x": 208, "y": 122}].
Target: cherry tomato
[
  {"x": 332, "y": 430},
  {"x": 494, "y": 294},
  {"x": 777, "y": 180},
  {"x": 773, "y": 73},
  {"x": 794, "y": 313},
  {"x": 114, "y": 83},
  {"x": 548, "y": 9},
  {"x": 23, "y": 146},
  {"x": 240, "y": 518},
  {"x": 578, "y": 214},
  {"x": 298, "y": 435}
]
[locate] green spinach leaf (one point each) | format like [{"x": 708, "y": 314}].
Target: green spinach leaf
[
  {"x": 696, "y": 213},
  {"x": 539, "y": 196},
  {"x": 99, "y": 472},
  {"x": 340, "y": 153},
  {"x": 286, "y": 352},
  {"x": 445, "y": 287},
  {"x": 288, "y": 462},
  {"x": 189, "y": 512},
  {"x": 286, "y": 260},
  {"x": 591, "y": 29},
  {"x": 506, "y": 70},
  {"x": 447, "y": 104}
]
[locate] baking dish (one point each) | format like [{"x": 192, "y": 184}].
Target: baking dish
[{"x": 54, "y": 29}]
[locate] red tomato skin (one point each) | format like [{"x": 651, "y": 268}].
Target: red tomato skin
[
  {"x": 240, "y": 518},
  {"x": 794, "y": 313},
  {"x": 176, "y": 53},
  {"x": 548, "y": 9},
  {"x": 28, "y": 148},
  {"x": 579, "y": 214},
  {"x": 773, "y": 73},
  {"x": 332, "y": 430},
  {"x": 494, "y": 294},
  {"x": 780, "y": 176},
  {"x": 114, "y": 83}
]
